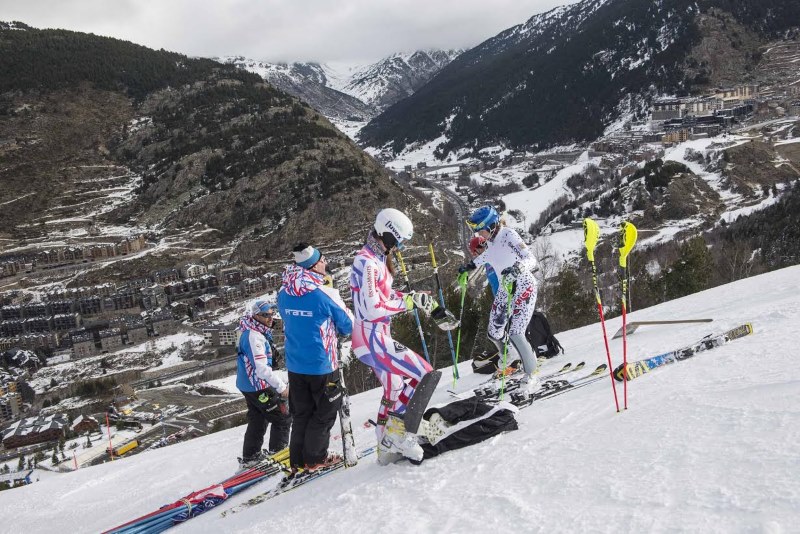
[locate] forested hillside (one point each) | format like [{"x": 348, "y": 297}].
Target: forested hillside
[{"x": 213, "y": 145}]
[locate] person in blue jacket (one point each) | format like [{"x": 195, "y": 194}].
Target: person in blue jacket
[
  {"x": 264, "y": 390},
  {"x": 313, "y": 317}
]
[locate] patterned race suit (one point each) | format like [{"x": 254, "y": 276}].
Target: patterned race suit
[
  {"x": 374, "y": 302},
  {"x": 504, "y": 250}
]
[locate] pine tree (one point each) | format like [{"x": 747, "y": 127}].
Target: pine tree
[
  {"x": 692, "y": 271},
  {"x": 21, "y": 464},
  {"x": 571, "y": 304}
]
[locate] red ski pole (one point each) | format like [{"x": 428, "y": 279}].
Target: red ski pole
[
  {"x": 627, "y": 235},
  {"x": 591, "y": 232}
]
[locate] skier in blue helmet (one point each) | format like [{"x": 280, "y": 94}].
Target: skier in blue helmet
[
  {"x": 509, "y": 256},
  {"x": 266, "y": 393},
  {"x": 485, "y": 217}
]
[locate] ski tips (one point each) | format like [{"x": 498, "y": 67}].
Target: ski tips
[{"x": 591, "y": 233}]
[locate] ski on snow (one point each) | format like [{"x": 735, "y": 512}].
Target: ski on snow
[
  {"x": 640, "y": 367},
  {"x": 489, "y": 384},
  {"x": 291, "y": 482},
  {"x": 549, "y": 386},
  {"x": 200, "y": 501},
  {"x": 553, "y": 388},
  {"x": 491, "y": 387}
]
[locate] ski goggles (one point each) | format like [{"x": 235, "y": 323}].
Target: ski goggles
[{"x": 477, "y": 226}]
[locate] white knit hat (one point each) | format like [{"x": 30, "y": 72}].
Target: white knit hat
[{"x": 307, "y": 257}]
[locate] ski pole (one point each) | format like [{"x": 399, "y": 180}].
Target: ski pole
[
  {"x": 416, "y": 312},
  {"x": 591, "y": 232},
  {"x": 348, "y": 441},
  {"x": 627, "y": 238},
  {"x": 462, "y": 283},
  {"x": 453, "y": 353},
  {"x": 509, "y": 312}
]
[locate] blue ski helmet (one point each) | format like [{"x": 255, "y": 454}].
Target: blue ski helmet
[
  {"x": 483, "y": 218},
  {"x": 263, "y": 307}
]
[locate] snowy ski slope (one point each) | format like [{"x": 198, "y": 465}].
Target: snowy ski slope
[{"x": 708, "y": 445}]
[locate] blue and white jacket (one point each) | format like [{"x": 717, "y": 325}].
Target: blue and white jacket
[
  {"x": 254, "y": 364},
  {"x": 312, "y": 316}
]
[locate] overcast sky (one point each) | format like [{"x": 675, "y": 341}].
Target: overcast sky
[{"x": 284, "y": 30}]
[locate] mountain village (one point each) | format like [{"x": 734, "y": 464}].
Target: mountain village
[{"x": 121, "y": 338}]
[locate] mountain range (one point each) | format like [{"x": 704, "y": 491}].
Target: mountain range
[
  {"x": 352, "y": 92},
  {"x": 565, "y": 75}
]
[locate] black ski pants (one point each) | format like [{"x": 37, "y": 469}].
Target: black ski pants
[
  {"x": 262, "y": 409},
  {"x": 314, "y": 401}
]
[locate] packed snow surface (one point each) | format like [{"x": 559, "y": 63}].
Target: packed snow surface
[{"x": 709, "y": 444}]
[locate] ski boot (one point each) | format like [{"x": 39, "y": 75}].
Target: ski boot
[
  {"x": 397, "y": 440},
  {"x": 249, "y": 463},
  {"x": 528, "y": 386}
]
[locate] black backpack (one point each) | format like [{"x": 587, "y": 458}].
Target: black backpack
[
  {"x": 541, "y": 337},
  {"x": 485, "y": 363}
]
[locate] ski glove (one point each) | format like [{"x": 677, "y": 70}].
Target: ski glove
[
  {"x": 466, "y": 268},
  {"x": 511, "y": 273},
  {"x": 444, "y": 319},
  {"x": 333, "y": 389},
  {"x": 463, "y": 278},
  {"x": 421, "y": 301}
]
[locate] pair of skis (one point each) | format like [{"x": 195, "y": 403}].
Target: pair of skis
[
  {"x": 555, "y": 383},
  {"x": 551, "y": 383},
  {"x": 293, "y": 482},
  {"x": 631, "y": 370},
  {"x": 200, "y": 501},
  {"x": 488, "y": 386},
  {"x": 627, "y": 240}
]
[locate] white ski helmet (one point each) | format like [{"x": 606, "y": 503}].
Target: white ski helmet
[{"x": 393, "y": 227}]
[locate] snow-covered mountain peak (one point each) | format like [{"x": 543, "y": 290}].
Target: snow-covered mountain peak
[
  {"x": 397, "y": 76},
  {"x": 348, "y": 92}
]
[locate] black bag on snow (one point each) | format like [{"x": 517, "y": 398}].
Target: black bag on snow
[
  {"x": 502, "y": 420},
  {"x": 541, "y": 337},
  {"x": 486, "y": 363}
]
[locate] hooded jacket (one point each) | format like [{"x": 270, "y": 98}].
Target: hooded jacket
[
  {"x": 313, "y": 315},
  {"x": 254, "y": 365}
]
